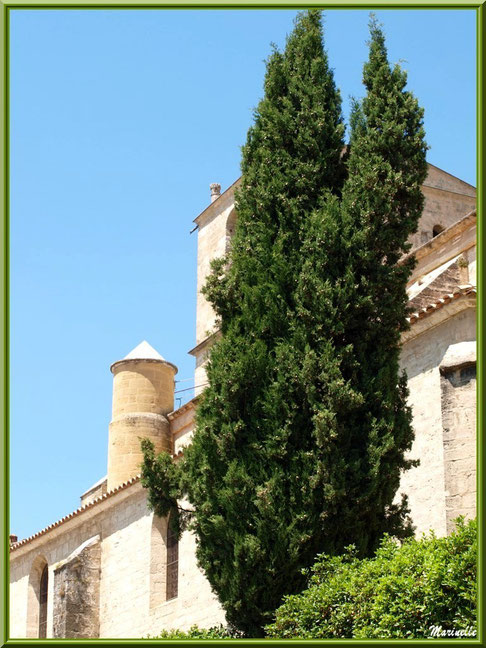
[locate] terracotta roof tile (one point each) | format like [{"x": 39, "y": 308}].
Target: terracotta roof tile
[
  {"x": 460, "y": 291},
  {"x": 75, "y": 513}
]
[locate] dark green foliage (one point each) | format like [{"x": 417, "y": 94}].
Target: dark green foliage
[
  {"x": 162, "y": 477},
  {"x": 302, "y": 431},
  {"x": 218, "y": 632},
  {"x": 252, "y": 466},
  {"x": 351, "y": 301},
  {"x": 355, "y": 246},
  {"x": 400, "y": 593}
]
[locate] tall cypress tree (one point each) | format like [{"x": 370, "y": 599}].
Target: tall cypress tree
[
  {"x": 250, "y": 469},
  {"x": 381, "y": 206},
  {"x": 301, "y": 433},
  {"x": 352, "y": 248},
  {"x": 252, "y": 461}
]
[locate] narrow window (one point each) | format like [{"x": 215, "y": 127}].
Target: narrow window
[
  {"x": 172, "y": 562},
  {"x": 437, "y": 229},
  {"x": 43, "y": 603},
  {"x": 230, "y": 230}
]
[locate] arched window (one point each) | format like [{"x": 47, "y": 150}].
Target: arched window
[
  {"x": 43, "y": 602},
  {"x": 437, "y": 229},
  {"x": 172, "y": 582},
  {"x": 164, "y": 562},
  {"x": 37, "y": 598},
  {"x": 158, "y": 554}
]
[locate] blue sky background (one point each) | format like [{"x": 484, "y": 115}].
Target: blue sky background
[{"x": 120, "y": 120}]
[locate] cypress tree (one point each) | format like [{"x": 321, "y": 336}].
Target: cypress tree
[
  {"x": 381, "y": 206},
  {"x": 352, "y": 248},
  {"x": 248, "y": 472},
  {"x": 301, "y": 434},
  {"x": 251, "y": 464}
]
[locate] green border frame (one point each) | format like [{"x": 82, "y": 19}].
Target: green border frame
[{"x": 5, "y": 7}]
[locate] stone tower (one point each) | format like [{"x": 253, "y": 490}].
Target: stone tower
[{"x": 143, "y": 395}]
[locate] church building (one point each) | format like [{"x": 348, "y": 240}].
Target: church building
[{"x": 113, "y": 569}]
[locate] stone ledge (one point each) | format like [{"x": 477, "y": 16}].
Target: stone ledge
[{"x": 458, "y": 356}]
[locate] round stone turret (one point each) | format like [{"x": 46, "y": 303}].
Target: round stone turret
[{"x": 143, "y": 395}]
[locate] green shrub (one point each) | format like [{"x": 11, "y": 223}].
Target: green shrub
[
  {"x": 402, "y": 591},
  {"x": 216, "y": 632}
]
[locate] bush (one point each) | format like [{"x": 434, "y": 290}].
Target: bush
[
  {"x": 217, "y": 632},
  {"x": 402, "y": 591}
]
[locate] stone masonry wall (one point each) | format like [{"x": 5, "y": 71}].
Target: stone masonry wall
[
  {"x": 211, "y": 244},
  {"x": 195, "y": 603},
  {"x": 76, "y": 605},
  {"x": 421, "y": 356},
  {"x": 124, "y": 525},
  {"x": 447, "y": 199},
  {"x": 127, "y": 507},
  {"x": 458, "y": 387}
]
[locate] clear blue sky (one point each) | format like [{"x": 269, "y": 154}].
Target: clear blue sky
[{"x": 120, "y": 120}]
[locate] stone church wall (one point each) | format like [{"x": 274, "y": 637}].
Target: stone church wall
[
  {"x": 421, "y": 357},
  {"x": 458, "y": 404},
  {"x": 130, "y": 565},
  {"x": 215, "y": 230},
  {"x": 447, "y": 200},
  {"x": 212, "y": 243},
  {"x": 195, "y": 603},
  {"x": 114, "y": 519}
]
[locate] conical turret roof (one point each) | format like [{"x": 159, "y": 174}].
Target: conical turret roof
[{"x": 144, "y": 351}]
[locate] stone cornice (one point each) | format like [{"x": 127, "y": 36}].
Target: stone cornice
[
  {"x": 439, "y": 240},
  {"x": 125, "y": 361},
  {"x": 216, "y": 203},
  {"x": 208, "y": 341},
  {"x": 450, "y": 191},
  {"x": 453, "y": 241},
  {"x": 184, "y": 408}
]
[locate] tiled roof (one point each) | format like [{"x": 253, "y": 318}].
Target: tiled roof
[
  {"x": 75, "y": 513},
  {"x": 460, "y": 291}
]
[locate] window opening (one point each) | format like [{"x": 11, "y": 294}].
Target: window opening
[
  {"x": 43, "y": 603},
  {"x": 172, "y": 562}
]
